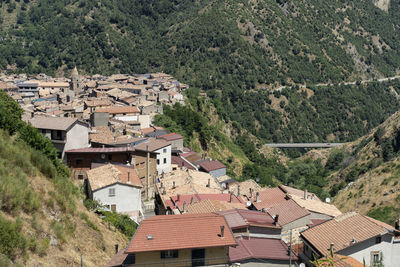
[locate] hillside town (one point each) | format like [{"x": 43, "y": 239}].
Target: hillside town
[{"x": 189, "y": 211}]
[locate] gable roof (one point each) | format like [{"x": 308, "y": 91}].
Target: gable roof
[
  {"x": 169, "y": 232},
  {"x": 152, "y": 145},
  {"x": 240, "y": 218},
  {"x": 212, "y": 205},
  {"x": 259, "y": 248},
  {"x": 300, "y": 193},
  {"x": 209, "y": 166},
  {"x": 288, "y": 211},
  {"x": 179, "y": 201},
  {"x": 110, "y": 174},
  {"x": 101, "y": 150},
  {"x": 53, "y": 123},
  {"x": 317, "y": 206},
  {"x": 268, "y": 198},
  {"x": 171, "y": 136},
  {"x": 343, "y": 231}
]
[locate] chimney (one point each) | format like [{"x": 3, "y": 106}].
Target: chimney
[
  {"x": 208, "y": 184},
  {"x": 230, "y": 197},
  {"x": 162, "y": 185},
  {"x": 251, "y": 192},
  {"x": 192, "y": 200},
  {"x": 222, "y": 230},
  {"x": 184, "y": 207},
  {"x": 173, "y": 185},
  {"x": 263, "y": 210},
  {"x": 116, "y": 248},
  {"x": 238, "y": 192},
  {"x": 129, "y": 177},
  {"x": 331, "y": 247},
  {"x": 257, "y": 197},
  {"x": 305, "y": 193},
  {"x": 178, "y": 197},
  {"x": 276, "y": 219}
]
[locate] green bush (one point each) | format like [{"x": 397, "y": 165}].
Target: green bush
[{"x": 12, "y": 240}]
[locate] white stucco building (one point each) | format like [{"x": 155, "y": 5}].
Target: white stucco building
[
  {"x": 163, "y": 150},
  {"x": 64, "y": 133},
  {"x": 117, "y": 187}
]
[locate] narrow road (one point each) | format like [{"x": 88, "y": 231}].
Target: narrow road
[
  {"x": 304, "y": 145},
  {"x": 344, "y": 83}
]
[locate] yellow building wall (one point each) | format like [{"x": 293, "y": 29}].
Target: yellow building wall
[{"x": 213, "y": 256}]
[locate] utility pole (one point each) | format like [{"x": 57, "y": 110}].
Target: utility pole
[{"x": 290, "y": 249}]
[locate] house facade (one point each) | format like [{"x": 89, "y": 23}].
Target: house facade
[
  {"x": 116, "y": 187},
  {"x": 64, "y": 133}
]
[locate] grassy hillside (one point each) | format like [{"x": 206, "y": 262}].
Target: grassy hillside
[
  {"x": 365, "y": 174},
  {"x": 42, "y": 217}
]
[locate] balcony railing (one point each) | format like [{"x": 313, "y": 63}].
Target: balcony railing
[{"x": 221, "y": 261}]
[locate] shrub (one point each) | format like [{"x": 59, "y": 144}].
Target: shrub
[{"x": 12, "y": 241}]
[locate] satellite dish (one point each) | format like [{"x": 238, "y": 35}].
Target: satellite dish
[
  {"x": 248, "y": 203},
  {"x": 103, "y": 156},
  {"x": 328, "y": 200},
  {"x": 302, "y": 265},
  {"x": 257, "y": 179}
]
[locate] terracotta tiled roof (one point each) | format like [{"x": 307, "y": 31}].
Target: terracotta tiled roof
[
  {"x": 95, "y": 103},
  {"x": 169, "y": 232},
  {"x": 191, "y": 156},
  {"x": 297, "y": 192},
  {"x": 171, "y": 136},
  {"x": 245, "y": 187},
  {"x": 209, "y": 166},
  {"x": 101, "y": 150},
  {"x": 52, "y": 123},
  {"x": 212, "y": 205},
  {"x": 288, "y": 212},
  {"x": 343, "y": 231},
  {"x": 119, "y": 110},
  {"x": 259, "y": 248},
  {"x": 342, "y": 261},
  {"x": 178, "y": 201},
  {"x": 268, "y": 198},
  {"x": 240, "y": 218},
  {"x": 110, "y": 174},
  {"x": 317, "y": 206},
  {"x": 181, "y": 163},
  {"x": 152, "y": 145}
]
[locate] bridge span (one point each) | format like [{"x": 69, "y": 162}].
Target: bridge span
[{"x": 304, "y": 145}]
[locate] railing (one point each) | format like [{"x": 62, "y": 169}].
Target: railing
[{"x": 221, "y": 261}]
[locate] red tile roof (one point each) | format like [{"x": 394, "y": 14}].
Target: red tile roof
[
  {"x": 240, "y": 218},
  {"x": 209, "y": 166},
  {"x": 269, "y": 197},
  {"x": 288, "y": 212},
  {"x": 297, "y": 192},
  {"x": 259, "y": 248},
  {"x": 198, "y": 197},
  {"x": 169, "y": 232},
  {"x": 152, "y": 145},
  {"x": 101, "y": 150},
  {"x": 181, "y": 163},
  {"x": 171, "y": 137}
]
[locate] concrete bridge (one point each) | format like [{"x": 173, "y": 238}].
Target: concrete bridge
[{"x": 304, "y": 145}]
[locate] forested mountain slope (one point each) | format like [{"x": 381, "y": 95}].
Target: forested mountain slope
[{"x": 235, "y": 50}]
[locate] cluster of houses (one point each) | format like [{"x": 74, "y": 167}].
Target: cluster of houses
[{"x": 190, "y": 213}]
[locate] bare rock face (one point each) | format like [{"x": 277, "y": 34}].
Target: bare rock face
[{"x": 382, "y": 4}]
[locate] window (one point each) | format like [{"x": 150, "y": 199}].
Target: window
[
  {"x": 169, "y": 254},
  {"x": 113, "y": 207},
  {"x": 165, "y": 160},
  {"x": 378, "y": 240},
  {"x": 109, "y": 157},
  {"x": 376, "y": 258},
  {"x": 78, "y": 161},
  {"x": 164, "y": 150},
  {"x": 130, "y": 259},
  {"x": 56, "y": 135},
  {"x": 158, "y": 162},
  {"x": 80, "y": 176},
  {"x": 111, "y": 192}
]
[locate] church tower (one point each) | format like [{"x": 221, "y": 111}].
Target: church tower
[{"x": 76, "y": 81}]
